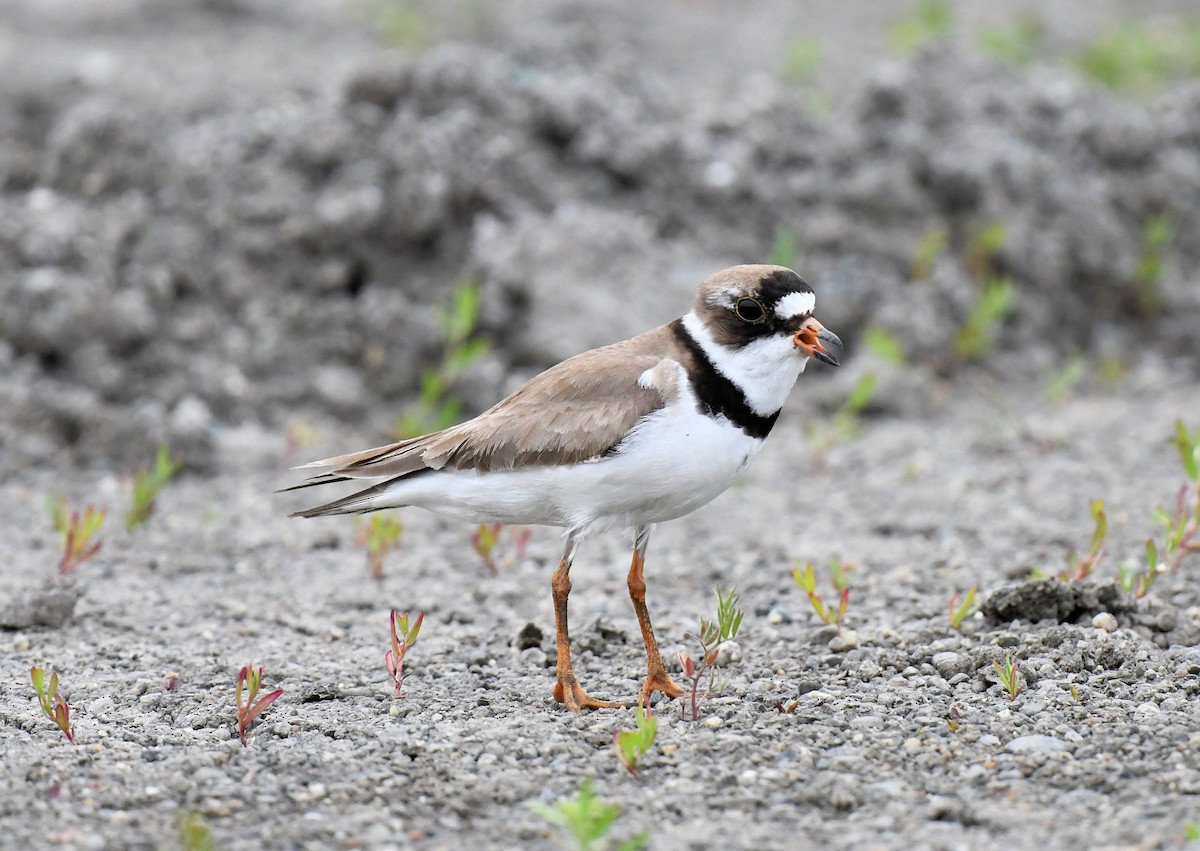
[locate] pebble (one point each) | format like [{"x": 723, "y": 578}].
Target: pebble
[
  {"x": 847, "y": 640},
  {"x": 714, "y": 722},
  {"x": 1105, "y": 621},
  {"x": 1036, "y": 744}
]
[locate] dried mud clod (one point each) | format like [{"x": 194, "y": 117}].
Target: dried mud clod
[{"x": 1052, "y": 599}]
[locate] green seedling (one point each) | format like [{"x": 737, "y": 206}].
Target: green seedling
[
  {"x": 632, "y": 745},
  {"x": 487, "y": 538},
  {"x": 806, "y": 578},
  {"x": 1138, "y": 59},
  {"x": 1191, "y": 832},
  {"x": 929, "y": 249},
  {"x": 147, "y": 484},
  {"x": 1062, "y": 383},
  {"x": 801, "y": 61},
  {"x": 959, "y": 612},
  {"x": 587, "y": 820},
  {"x": 976, "y": 337},
  {"x": 887, "y": 347},
  {"x": 985, "y": 246},
  {"x": 786, "y": 250},
  {"x": 1077, "y": 567},
  {"x": 930, "y": 23},
  {"x": 380, "y": 535},
  {"x": 1180, "y": 527},
  {"x": 711, "y": 636},
  {"x": 249, "y": 704},
  {"x": 1017, "y": 45},
  {"x": 435, "y": 408},
  {"x": 403, "y": 637},
  {"x": 1147, "y": 277},
  {"x": 845, "y": 423},
  {"x": 194, "y": 832},
  {"x": 298, "y": 435},
  {"x": 79, "y": 543},
  {"x": 53, "y": 704},
  {"x": 1010, "y": 676}
]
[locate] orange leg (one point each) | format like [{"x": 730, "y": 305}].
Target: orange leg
[
  {"x": 657, "y": 679},
  {"x": 567, "y": 689}
]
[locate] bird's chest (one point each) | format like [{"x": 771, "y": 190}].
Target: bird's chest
[{"x": 683, "y": 458}]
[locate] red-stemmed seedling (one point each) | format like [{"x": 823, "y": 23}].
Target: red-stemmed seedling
[
  {"x": 403, "y": 637},
  {"x": 487, "y": 538},
  {"x": 712, "y": 635},
  {"x": 806, "y": 578},
  {"x": 249, "y": 704},
  {"x": 53, "y": 704},
  {"x": 380, "y": 535},
  {"x": 79, "y": 542}
]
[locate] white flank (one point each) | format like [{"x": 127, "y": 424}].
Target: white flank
[
  {"x": 674, "y": 461},
  {"x": 795, "y": 304},
  {"x": 764, "y": 370}
]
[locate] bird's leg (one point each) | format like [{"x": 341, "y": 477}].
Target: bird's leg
[
  {"x": 567, "y": 690},
  {"x": 657, "y": 678}
]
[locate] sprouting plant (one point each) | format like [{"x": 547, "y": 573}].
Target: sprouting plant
[
  {"x": 885, "y": 346},
  {"x": 487, "y": 538},
  {"x": 298, "y": 435},
  {"x": 632, "y": 745},
  {"x": 78, "y": 532},
  {"x": 806, "y": 577},
  {"x": 1156, "y": 237},
  {"x": 929, "y": 248},
  {"x": 1133, "y": 58},
  {"x": 147, "y": 484},
  {"x": 785, "y": 250},
  {"x": 984, "y": 247},
  {"x": 1077, "y": 567},
  {"x": 194, "y": 832},
  {"x": 403, "y": 637},
  {"x": 977, "y": 335},
  {"x": 1180, "y": 527},
  {"x": 1010, "y": 676},
  {"x": 1062, "y": 383},
  {"x": 959, "y": 612},
  {"x": 53, "y": 704},
  {"x": 711, "y": 636},
  {"x": 844, "y": 424},
  {"x": 380, "y": 535},
  {"x": 587, "y": 820},
  {"x": 435, "y": 408},
  {"x": 249, "y": 704},
  {"x": 801, "y": 59},
  {"x": 1017, "y": 45},
  {"x": 1191, "y": 832},
  {"x": 930, "y": 23}
]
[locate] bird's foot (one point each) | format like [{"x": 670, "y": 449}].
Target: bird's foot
[
  {"x": 660, "y": 681},
  {"x": 571, "y": 694}
]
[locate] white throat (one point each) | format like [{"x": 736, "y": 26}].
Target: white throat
[{"x": 764, "y": 370}]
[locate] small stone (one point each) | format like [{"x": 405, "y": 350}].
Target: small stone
[
  {"x": 1025, "y": 745},
  {"x": 728, "y": 653},
  {"x": 1105, "y": 621},
  {"x": 846, "y": 640},
  {"x": 714, "y": 722},
  {"x": 948, "y": 664},
  {"x": 1146, "y": 709}
]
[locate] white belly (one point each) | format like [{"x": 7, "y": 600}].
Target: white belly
[{"x": 677, "y": 460}]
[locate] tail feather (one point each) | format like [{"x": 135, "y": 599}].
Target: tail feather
[
  {"x": 313, "y": 481},
  {"x": 356, "y": 503}
]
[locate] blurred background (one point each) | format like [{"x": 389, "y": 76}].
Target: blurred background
[{"x": 240, "y": 228}]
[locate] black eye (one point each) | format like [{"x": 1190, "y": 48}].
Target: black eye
[{"x": 750, "y": 310}]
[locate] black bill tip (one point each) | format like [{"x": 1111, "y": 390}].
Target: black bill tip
[{"x": 825, "y": 357}]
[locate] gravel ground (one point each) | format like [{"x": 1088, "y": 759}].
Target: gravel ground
[{"x": 202, "y": 252}]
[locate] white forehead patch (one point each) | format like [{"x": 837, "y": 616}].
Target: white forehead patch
[{"x": 795, "y": 304}]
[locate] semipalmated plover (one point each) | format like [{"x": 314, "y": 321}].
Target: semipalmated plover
[{"x": 631, "y": 435}]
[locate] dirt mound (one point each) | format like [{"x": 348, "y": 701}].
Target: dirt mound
[{"x": 166, "y": 272}]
